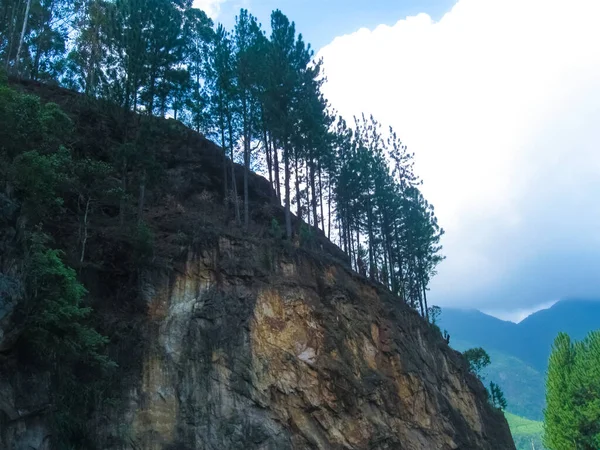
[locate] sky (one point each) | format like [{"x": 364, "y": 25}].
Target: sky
[{"x": 500, "y": 102}]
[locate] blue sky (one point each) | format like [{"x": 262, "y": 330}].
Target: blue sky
[{"x": 320, "y": 21}]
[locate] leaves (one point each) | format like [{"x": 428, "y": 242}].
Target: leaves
[
  {"x": 478, "y": 360},
  {"x": 572, "y": 414}
]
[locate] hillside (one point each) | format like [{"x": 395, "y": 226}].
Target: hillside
[
  {"x": 529, "y": 340},
  {"x": 519, "y": 352},
  {"x": 526, "y": 433},
  {"x": 522, "y": 384},
  {"x": 220, "y": 336}
]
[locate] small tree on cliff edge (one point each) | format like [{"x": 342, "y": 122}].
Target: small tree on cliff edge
[
  {"x": 497, "y": 396},
  {"x": 478, "y": 360}
]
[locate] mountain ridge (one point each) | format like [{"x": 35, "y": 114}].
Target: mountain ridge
[{"x": 519, "y": 351}]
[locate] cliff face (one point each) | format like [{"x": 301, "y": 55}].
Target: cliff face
[
  {"x": 254, "y": 349},
  {"x": 243, "y": 342}
]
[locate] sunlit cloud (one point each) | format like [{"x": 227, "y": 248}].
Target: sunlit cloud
[
  {"x": 500, "y": 101},
  {"x": 212, "y": 8}
]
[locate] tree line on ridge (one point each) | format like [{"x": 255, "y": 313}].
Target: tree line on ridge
[{"x": 258, "y": 95}]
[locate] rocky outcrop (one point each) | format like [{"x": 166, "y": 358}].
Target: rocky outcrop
[
  {"x": 254, "y": 349},
  {"x": 237, "y": 341}
]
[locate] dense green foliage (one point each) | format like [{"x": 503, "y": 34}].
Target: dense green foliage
[
  {"x": 572, "y": 414},
  {"x": 497, "y": 396},
  {"x": 56, "y": 333},
  {"x": 526, "y": 433},
  {"x": 260, "y": 97}
]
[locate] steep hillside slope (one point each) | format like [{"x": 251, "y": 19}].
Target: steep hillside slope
[{"x": 228, "y": 338}]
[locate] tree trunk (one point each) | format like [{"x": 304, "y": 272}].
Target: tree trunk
[
  {"x": 25, "y": 20},
  {"x": 321, "y": 201},
  {"x": 297, "y": 183},
  {"x": 142, "y": 197},
  {"x": 371, "y": 238},
  {"x": 329, "y": 210},
  {"x": 123, "y": 193},
  {"x": 224, "y": 147},
  {"x": 308, "y": 198},
  {"x": 288, "y": 214},
  {"x": 84, "y": 237},
  {"x": 233, "y": 179},
  {"x": 246, "y": 170},
  {"x": 11, "y": 35},
  {"x": 425, "y": 298},
  {"x": 268, "y": 156},
  {"x": 276, "y": 166},
  {"x": 314, "y": 194}
]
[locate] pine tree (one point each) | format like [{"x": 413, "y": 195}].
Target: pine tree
[{"x": 560, "y": 431}]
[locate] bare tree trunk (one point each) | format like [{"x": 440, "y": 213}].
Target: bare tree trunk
[
  {"x": 85, "y": 230},
  {"x": 268, "y": 156},
  {"x": 246, "y": 170},
  {"x": 321, "y": 201},
  {"x": 308, "y": 198},
  {"x": 11, "y": 35},
  {"x": 288, "y": 214},
  {"x": 233, "y": 179},
  {"x": 314, "y": 194},
  {"x": 142, "y": 197},
  {"x": 25, "y": 20},
  {"x": 425, "y": 298},
  {"x": 276, "y": 166},
  {"x": 371, "y": 238},
  {"x": 329, "y": 211},
  {"x": 123, "y": 192},
  {"x": 297, "y": 183},
  {"x": 224, "y": 147}
]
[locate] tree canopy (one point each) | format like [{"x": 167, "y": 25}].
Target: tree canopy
[
  {"x": 259, "y": 97},
  {"x": 572, "y": 414}
]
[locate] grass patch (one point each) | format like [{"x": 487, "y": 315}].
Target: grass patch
[{"x": 526, "y": 433}]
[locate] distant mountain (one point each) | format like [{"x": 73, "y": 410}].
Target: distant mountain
[
  {"x": 530, "y": 340},
  {"x": 520, "y": 352}
]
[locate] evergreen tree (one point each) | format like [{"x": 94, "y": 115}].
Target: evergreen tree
[
  {"x": 572, "y": 414},
  {"x": 497, "y": 396}
]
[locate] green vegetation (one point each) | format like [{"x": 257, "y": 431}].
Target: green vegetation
[
  {"x": 522, "y": 384},
  {"x": 56, "y": 333},
  {"x": 526, "y": 433},
  {"x": 519, "y": 352},
  {"x": 478, "y": 360},
  {"x": 78, "y": 192},
  {"x": 572, "y": 414},
  {"x": 497, "y": 396},
  {"x": 259, "y": 96}
]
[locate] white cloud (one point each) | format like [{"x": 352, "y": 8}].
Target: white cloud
[
  {"x": 500, "y": 101},
  {"x": 212, "y": 8},
  {"x": 520, "y": 314}
]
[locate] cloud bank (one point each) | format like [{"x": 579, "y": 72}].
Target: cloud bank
[{"x": 500, "y": 101}]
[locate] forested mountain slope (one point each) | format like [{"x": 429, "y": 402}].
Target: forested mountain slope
[
  {"x": 519, "y": 352},
  {"x": 180, "y": 327}
]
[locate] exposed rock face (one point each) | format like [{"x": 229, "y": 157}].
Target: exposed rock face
[
  {"x": 244, "y": 344},
  {"x": 260, "y": 351}
]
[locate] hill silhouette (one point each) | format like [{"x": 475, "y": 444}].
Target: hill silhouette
[{"x": 520, "y": 352}]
